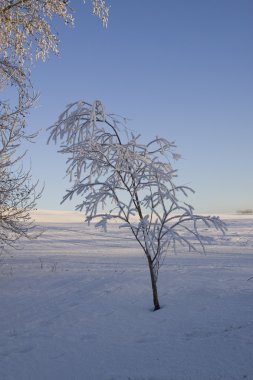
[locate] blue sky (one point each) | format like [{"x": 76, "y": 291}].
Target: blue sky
[{"x": 179, "y": 69}]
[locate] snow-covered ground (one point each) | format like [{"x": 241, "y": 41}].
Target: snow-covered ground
[{"x": 76, "y": 305}]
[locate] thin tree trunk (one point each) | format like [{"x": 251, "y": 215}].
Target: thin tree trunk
[{"x": 154, "y": 285}]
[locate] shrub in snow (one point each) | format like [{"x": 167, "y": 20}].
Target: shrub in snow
[{"x": 119, "y": 177}]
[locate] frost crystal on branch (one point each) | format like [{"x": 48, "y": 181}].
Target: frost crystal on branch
[{"x": 119, "y": 177}]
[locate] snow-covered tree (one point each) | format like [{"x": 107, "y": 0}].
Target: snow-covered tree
[
  {"x": 28, "y": 23},
  {"x": 17, "y": 194},
  {"x": 26, "y": 30},
  {"x": 120, "y": 177}
]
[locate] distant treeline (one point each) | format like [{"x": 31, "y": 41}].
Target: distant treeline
[{"x": 247, "y": 211}]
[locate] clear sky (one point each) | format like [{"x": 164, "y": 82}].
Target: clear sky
[{"x": 180, "y": 69}]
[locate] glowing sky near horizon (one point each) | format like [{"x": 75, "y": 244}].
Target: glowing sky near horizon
[{"x": 178, "y": 69}]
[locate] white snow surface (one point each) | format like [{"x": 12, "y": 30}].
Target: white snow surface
[{"x": 76, "y": 304}]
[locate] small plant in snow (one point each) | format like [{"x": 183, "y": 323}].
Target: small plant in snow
[
  {"x": 53, "y": 267},
  {"x": 120, "y": 177},
  {"x": 41, "y": 262}
]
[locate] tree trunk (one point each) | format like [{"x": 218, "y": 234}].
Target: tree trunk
[{"x": 154, "y": 286}]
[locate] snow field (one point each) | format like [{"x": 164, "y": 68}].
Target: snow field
[{"x": 76, "y": 304}]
